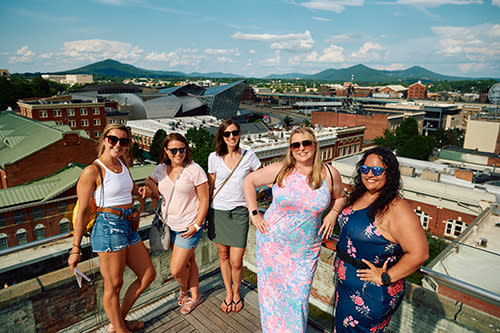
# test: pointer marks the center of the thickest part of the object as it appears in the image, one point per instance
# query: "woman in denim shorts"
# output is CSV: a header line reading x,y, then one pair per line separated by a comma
x,y
114,234
184,187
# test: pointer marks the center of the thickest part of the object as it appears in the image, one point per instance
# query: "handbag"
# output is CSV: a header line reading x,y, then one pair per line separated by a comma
x,y
209,219
159,234
93,210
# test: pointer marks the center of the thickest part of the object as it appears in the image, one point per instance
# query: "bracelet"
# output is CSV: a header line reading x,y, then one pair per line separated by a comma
x,y
78,246
336,211
70,253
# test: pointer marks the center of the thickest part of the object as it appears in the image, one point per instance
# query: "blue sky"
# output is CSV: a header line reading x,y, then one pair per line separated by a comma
x,y
253,38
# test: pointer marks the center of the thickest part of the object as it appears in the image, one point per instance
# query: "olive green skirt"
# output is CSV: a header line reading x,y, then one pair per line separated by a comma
x,y
229,227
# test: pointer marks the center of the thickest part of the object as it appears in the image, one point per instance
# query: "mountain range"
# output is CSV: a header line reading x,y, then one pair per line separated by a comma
x,y
359,73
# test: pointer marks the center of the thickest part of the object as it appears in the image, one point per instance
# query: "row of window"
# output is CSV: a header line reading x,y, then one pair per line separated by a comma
x,y
348,150
39,233
453,227
36,213
69,112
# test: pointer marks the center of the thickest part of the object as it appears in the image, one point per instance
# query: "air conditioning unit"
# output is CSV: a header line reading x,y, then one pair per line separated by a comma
x,y
482,242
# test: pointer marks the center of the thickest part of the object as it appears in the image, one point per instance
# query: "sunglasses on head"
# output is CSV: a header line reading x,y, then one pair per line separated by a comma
x,y
228,133
113,140
174,151
305,144
365,169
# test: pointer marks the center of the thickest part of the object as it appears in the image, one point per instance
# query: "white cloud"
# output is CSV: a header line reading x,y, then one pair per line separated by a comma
x,y
23,55
225,60
291,42
332,54
179,57
46,55
274,61
370,51
323,19
111,2
252,51
336,6
437,3
235,52
471,67
344,38
495,3
478,43
98,49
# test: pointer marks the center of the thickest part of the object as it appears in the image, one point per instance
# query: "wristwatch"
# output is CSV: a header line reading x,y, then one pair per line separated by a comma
x,y
255,212
196,226
386,279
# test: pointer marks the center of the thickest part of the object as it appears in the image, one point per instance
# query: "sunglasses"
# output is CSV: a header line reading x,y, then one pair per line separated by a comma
x,y
113,140
305,144
228,133
365,169
174,151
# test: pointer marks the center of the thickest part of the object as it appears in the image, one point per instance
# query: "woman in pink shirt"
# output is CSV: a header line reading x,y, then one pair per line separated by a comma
x,y
183,185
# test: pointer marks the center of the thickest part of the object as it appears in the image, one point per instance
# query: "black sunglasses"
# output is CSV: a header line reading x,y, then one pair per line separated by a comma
x,y
228,133
113,140
174,151
365,169
305,144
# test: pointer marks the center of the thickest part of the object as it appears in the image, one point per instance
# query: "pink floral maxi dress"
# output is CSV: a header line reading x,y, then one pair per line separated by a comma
x,y
363,306
287,255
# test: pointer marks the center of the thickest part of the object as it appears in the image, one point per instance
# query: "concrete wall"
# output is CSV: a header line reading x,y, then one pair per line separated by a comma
x,y
482,135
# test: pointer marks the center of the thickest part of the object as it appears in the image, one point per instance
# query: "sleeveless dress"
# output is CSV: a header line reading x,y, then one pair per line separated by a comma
x,y
363,306
287,255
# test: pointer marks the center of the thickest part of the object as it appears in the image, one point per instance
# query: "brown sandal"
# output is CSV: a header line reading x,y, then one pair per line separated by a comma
x,y
190,305
135,325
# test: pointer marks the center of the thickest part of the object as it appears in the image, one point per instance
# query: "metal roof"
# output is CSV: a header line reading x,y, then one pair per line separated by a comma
x,y
21,136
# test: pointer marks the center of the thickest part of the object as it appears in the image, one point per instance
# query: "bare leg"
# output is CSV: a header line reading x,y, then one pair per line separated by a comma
x,y
236,261
139,261
194,285
180,267
112,265
225,268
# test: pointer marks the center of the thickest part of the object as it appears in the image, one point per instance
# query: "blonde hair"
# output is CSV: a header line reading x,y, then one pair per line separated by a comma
x,y
316,178
107,129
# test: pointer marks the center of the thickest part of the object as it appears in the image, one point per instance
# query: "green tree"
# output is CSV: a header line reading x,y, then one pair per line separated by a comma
x,y
137,152
307,123
419,147
406,130
40,87
453,136
288,121
202,143
157,145
388,140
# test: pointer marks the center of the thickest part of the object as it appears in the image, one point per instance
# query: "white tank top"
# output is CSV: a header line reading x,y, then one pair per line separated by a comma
x,y
117,188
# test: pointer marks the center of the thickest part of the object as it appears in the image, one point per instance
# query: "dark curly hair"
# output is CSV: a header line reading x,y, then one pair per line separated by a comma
x,y
389,191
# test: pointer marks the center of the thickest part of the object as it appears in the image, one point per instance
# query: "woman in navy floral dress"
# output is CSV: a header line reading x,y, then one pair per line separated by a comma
x,y
381,242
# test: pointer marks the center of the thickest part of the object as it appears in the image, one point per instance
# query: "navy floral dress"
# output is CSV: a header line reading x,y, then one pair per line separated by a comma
x,y
363,306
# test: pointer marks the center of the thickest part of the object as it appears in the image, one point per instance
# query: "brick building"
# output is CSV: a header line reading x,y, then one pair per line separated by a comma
x,y
87,115
416,91
31,149
375,123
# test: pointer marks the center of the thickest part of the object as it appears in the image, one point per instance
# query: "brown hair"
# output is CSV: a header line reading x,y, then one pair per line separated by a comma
x,y
100,143
175,137
316,179
220,144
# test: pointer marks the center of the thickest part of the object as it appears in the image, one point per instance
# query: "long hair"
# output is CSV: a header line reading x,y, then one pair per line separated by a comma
x,y
100,143
220,144
316,178
391,188
175,137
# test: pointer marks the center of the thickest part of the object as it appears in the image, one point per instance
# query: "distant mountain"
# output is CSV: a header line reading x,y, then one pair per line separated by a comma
x,y
216,75
288,76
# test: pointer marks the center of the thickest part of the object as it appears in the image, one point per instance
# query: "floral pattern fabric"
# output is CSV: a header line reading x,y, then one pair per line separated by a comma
x,y
363,306
288,254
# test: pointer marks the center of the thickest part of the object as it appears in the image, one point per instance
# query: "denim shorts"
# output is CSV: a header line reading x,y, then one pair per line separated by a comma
x,y
112,233
185,243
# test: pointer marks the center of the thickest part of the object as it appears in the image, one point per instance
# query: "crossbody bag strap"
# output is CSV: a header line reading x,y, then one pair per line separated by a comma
x,y
172,193
330,172
102,184
225,181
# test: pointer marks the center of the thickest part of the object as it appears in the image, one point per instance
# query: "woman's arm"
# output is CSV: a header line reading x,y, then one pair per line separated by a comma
x,y
405,229
339,201
202,192
211,184
151,183
263,176
84,189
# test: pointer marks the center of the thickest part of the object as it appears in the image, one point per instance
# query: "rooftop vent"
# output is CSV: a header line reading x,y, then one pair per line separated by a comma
x,y
482,242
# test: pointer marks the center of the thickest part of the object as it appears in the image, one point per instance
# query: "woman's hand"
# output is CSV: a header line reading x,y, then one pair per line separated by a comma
x,y
326,229
74,257
259,223
373,273
191,231
145,191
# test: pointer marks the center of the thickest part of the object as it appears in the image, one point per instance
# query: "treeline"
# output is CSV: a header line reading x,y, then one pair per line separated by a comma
x,y
18,87
464,86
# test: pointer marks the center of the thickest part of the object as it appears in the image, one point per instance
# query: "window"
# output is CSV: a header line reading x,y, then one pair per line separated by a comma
x,y
122,121
97,122
37,213
85,122
61,206
95,111
39,231
4,241
64,226
112,121
21,236
454,228
59,123
57,113
71,112
424,218
72,123
2,220
43,113
97,134
83,112
18,216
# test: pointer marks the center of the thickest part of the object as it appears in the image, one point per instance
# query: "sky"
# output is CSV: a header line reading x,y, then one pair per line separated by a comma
x,y
253,38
